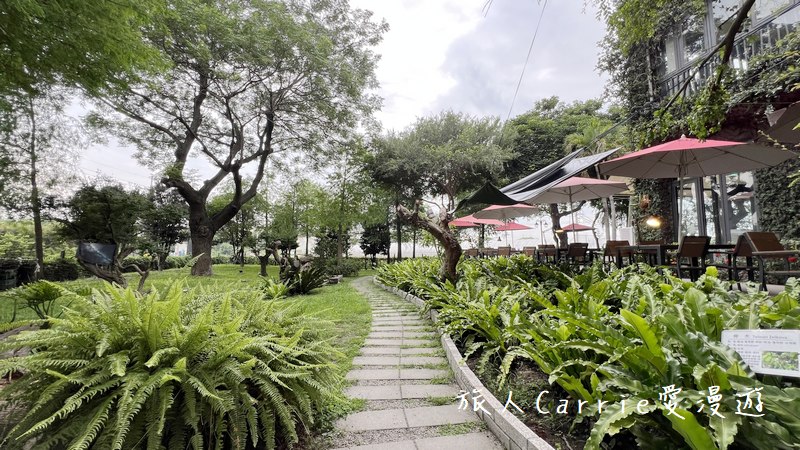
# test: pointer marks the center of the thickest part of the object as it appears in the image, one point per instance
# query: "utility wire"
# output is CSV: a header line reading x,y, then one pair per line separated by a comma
x,y
521,75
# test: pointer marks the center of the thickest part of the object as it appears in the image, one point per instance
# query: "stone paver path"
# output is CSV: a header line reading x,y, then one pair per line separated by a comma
x,y
410,394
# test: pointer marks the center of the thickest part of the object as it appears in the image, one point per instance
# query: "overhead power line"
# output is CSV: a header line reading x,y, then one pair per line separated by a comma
x,y
527,58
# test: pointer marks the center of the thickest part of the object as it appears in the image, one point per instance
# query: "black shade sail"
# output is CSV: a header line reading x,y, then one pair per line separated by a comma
x,y
529,187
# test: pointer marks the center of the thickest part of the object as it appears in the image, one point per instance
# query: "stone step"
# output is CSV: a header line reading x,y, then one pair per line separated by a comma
x,y
395,374
469,441
402,392
397,350
390,419
384,360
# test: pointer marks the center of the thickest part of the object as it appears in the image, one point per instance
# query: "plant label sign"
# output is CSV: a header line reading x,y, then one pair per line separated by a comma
x,y
771,352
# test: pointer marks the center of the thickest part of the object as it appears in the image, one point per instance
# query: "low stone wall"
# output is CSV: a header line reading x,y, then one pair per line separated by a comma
x,y
512,433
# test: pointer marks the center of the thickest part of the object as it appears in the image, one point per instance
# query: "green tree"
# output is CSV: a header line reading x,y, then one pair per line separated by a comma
x,y
107,215
375,240
92,44
39,144
546,132
164,224
255,77
443,156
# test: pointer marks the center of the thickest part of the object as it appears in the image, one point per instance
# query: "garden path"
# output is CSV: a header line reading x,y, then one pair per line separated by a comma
x,y
411,398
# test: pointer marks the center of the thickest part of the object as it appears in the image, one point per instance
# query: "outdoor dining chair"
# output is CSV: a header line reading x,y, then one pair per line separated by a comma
x,y
471,253
529,251
691,256
731,258
610,253
504,251
577,253
546,253
768,248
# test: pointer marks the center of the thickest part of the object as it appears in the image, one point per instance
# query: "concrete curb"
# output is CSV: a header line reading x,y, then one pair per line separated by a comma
x,y
509,430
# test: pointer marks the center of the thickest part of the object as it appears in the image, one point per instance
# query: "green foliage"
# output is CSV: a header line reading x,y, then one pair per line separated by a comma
x,y
306,280
46,42
619,336
169,370
777,202
348,267
62,270
274,290
375,240
328,242
14,245
41,297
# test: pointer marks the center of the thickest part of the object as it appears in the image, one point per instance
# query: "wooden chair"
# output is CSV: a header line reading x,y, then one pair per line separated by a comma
x,y
471,253
742,249
546,253
610,252
489,252
577,253
504,251
694,250
529,251
767,247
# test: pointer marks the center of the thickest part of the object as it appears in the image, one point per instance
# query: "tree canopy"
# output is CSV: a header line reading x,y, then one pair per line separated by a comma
x,y
92,44
255,78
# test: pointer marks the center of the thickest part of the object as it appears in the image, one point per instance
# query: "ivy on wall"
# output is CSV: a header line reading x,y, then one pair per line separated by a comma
x,y
779,204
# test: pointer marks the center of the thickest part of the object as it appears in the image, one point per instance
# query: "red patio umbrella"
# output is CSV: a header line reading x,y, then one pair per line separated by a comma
x,y
470,221
512,226
690,157
577,227
506,212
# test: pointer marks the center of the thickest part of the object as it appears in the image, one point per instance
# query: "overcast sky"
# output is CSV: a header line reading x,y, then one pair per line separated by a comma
x,y
453,54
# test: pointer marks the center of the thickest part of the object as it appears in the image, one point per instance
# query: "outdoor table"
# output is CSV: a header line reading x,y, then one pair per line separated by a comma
x,y
660,251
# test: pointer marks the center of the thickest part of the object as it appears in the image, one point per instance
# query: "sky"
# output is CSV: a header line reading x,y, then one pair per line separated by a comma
x,y
453,54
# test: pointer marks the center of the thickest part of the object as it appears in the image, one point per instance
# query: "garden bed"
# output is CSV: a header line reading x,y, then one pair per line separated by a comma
x,y
611,339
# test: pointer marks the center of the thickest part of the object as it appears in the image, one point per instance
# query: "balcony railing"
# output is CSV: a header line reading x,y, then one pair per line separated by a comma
x,y
746,46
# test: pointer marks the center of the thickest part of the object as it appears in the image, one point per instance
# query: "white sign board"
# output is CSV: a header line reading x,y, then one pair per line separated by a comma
x,y
771,352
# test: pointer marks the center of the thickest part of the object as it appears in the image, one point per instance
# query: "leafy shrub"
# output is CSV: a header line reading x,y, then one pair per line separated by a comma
x,y
41,297
169,370
62,270
347,266
143,262
274,290
177,262
620,336
306,280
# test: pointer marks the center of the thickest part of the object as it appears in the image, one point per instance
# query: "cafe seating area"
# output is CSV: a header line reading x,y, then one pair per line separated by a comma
x,y
757,257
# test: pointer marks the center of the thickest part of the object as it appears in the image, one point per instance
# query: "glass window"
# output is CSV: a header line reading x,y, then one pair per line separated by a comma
x,y
693,42
724,12
741,203
670,55
765,8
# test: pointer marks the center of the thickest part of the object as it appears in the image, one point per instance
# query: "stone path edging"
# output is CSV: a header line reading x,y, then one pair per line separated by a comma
x,y
509,430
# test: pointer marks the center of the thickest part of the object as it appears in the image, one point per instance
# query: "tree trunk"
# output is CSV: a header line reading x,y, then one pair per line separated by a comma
x,y
262,261
339,249
36,206
202,236
414,245
555,217
442,233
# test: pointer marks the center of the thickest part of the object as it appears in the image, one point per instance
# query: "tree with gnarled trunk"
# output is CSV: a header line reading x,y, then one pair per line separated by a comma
x,y
444,156
255,78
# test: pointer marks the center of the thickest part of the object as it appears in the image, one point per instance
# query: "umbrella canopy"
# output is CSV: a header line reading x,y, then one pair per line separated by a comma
x,y
471,221
506,212
512,226
577,227
578,189
784,125
689,157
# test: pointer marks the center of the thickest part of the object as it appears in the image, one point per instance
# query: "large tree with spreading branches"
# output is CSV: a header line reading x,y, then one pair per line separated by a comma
x,y
247,78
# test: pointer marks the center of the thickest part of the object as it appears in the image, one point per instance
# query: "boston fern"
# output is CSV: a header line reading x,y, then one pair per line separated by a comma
x,y
170,370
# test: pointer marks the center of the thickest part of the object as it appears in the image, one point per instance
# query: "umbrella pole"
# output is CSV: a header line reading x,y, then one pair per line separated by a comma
x,y
572,213
613,219
680,209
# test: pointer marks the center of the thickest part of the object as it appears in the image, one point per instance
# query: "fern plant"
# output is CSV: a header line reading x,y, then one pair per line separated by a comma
x,y
170,370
